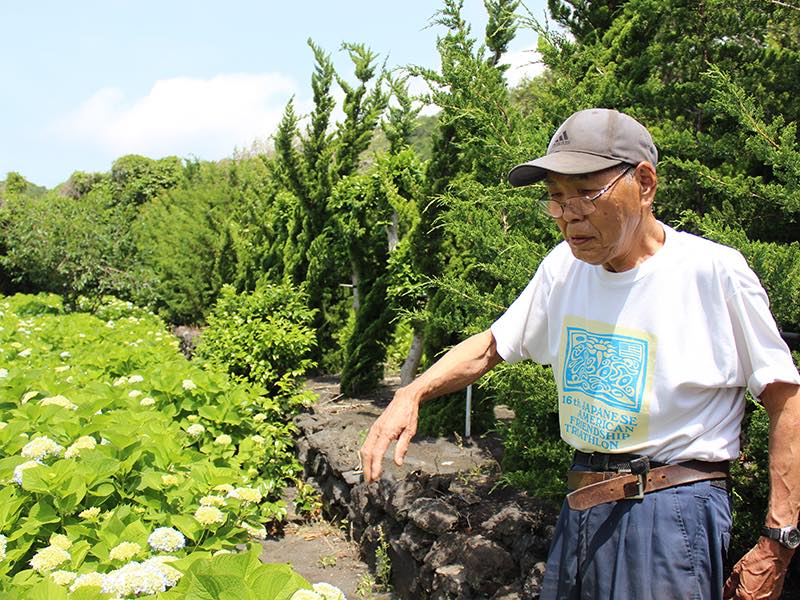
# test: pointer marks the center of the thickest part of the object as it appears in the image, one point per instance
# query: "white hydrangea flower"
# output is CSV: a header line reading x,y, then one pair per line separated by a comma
x,y
328,591
209,515
93,579
20,468
40,448
166,539
169,479
212,500
85,442
90,514
258,440
259,418
58,401
124,551
134,393
120,381
195,429
171,574
59,540
258,532
3,373
63,577
193,418
147,401
223,440
48,558
135,579
135,379
246,494
306,595
188,384
65,354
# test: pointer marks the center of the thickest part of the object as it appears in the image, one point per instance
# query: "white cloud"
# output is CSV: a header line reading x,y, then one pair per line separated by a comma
x,y
184,116
522,64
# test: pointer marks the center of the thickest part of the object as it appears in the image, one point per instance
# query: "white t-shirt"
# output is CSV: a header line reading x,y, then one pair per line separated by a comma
x,y
654,360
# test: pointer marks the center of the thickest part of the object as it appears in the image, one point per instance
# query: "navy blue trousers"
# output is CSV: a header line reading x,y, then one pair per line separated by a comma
x,y
671,544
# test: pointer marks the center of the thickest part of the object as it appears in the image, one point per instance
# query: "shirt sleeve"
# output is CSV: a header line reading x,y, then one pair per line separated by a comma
x,y
762,353
521,332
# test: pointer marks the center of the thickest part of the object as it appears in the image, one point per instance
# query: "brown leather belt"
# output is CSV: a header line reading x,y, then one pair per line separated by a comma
x,y
592,488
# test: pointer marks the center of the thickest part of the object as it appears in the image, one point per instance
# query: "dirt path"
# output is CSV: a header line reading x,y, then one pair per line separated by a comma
x,y
319,550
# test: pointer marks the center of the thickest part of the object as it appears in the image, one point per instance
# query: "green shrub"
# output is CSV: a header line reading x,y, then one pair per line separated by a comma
x,y
66,246
262,337
536,458
446,416
137,179
196,221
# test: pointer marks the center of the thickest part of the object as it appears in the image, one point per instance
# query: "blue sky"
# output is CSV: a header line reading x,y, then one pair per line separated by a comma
x,y
88,81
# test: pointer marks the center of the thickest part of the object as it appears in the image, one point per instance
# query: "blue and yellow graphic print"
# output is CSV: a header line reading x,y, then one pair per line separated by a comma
x,y
604,385
609,367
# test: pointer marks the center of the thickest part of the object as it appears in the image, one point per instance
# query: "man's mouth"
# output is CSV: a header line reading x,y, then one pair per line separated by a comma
x,y
579,240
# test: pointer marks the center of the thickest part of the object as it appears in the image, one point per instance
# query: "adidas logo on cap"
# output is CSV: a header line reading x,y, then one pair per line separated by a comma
x,y
561,139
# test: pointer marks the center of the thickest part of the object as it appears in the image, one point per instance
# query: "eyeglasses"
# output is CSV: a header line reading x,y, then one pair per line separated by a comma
x,y
581,205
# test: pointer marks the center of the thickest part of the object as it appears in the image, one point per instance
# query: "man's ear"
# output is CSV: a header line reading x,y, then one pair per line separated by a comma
x,y
646,178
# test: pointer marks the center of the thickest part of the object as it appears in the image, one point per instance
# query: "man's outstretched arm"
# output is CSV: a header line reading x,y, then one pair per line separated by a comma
x,y
759,574
462,365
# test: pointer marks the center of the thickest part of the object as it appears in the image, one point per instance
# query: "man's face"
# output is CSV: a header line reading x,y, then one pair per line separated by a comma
x,y
612,235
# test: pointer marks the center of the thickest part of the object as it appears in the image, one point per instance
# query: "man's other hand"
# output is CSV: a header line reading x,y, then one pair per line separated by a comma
x,y
759,574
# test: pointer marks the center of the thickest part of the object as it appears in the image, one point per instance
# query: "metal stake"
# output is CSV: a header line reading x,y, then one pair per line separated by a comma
x,y
467,423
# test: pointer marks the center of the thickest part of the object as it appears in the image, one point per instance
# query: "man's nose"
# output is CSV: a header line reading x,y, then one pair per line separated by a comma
x,y
571,213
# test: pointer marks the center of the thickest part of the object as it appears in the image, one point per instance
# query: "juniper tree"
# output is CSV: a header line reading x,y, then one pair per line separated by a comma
x,y
311,165
475,138
648,59
376,213
500,28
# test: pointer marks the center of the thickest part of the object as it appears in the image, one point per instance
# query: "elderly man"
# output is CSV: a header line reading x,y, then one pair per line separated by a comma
x,y
653,336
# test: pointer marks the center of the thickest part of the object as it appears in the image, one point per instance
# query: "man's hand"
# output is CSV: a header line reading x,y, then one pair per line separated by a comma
x,y
759,574
398,422
462,365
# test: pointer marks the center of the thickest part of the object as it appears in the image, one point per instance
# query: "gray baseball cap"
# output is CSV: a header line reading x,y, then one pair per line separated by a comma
x,y
588,141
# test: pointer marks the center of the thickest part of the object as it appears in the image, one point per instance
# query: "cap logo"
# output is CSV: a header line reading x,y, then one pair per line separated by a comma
x,y
562,139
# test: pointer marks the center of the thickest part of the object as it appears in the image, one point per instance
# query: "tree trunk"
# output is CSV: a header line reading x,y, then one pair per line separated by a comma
x,y
391,233
409,369
355,280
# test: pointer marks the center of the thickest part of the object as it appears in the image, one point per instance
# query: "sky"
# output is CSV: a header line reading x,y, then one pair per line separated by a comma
x,y
88,81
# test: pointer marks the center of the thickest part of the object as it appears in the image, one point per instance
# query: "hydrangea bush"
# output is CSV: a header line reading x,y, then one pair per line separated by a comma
x,y
106,495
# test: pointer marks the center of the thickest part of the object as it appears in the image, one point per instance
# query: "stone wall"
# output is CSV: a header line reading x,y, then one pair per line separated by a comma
x,y
447,532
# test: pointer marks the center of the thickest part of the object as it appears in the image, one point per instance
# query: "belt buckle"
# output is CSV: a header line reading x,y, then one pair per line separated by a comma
x,y
639,467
